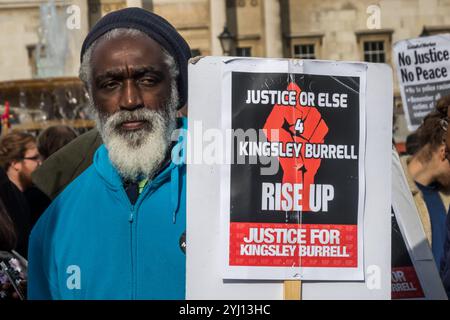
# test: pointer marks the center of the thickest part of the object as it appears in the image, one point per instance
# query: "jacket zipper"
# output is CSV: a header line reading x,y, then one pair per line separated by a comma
x,y
132,253
133,240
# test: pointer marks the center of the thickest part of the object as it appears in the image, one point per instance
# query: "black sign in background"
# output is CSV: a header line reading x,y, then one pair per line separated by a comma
x,y
417,89
400,255
343,124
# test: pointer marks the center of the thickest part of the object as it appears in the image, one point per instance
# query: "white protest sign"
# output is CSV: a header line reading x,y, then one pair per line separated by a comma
x,y
423,72
206,239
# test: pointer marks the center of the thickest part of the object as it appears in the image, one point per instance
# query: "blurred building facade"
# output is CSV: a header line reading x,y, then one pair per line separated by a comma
x,y
308,29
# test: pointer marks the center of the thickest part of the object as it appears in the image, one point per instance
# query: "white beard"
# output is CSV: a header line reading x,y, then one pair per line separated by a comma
x,y
139,154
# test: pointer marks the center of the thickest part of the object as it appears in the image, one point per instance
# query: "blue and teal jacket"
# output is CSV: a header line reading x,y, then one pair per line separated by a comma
x,y
92,243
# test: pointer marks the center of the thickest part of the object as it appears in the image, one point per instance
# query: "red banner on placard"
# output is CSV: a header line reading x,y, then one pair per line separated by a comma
x,y
406,284
294,245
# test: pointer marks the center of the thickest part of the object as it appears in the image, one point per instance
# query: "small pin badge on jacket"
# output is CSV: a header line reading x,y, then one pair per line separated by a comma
x,y
183,242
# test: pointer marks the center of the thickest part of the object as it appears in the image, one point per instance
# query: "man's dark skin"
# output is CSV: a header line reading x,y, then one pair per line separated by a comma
x,y
129,73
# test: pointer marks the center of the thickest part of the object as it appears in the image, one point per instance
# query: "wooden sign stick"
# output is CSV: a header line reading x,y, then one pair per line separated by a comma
x,y
292,290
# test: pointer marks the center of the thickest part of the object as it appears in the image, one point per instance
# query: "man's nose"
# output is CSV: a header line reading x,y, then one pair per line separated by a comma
x,y
131,97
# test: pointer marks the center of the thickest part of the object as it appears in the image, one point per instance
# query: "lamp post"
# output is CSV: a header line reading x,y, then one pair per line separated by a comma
x,y
226,41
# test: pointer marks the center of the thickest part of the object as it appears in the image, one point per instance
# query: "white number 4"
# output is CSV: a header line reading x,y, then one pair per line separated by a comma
x,y
299,126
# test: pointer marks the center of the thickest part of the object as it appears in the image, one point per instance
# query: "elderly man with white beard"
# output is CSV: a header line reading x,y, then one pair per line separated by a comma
x,y
118,230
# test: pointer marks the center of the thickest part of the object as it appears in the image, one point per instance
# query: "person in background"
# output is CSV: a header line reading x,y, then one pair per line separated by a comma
x,y
16,270
443,108
66,164
8,240
445,261
412,144
19,157
54,138
49,141
428,175
8,236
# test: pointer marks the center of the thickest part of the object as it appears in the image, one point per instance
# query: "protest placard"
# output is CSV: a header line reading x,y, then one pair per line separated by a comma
x,y
298,149
209,182
423,72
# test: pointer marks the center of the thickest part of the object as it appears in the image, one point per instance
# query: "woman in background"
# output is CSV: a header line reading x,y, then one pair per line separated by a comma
x,y
8,260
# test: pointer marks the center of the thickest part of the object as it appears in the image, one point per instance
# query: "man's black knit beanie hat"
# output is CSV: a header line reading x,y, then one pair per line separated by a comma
x,y
156,28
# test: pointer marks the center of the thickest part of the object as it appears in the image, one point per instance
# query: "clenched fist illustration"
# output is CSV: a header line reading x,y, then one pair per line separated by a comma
x,y
299,124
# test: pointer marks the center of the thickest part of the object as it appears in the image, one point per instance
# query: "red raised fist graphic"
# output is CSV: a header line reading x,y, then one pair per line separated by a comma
x,y
300,124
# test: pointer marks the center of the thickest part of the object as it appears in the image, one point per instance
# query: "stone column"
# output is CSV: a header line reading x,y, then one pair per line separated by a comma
x,y
218,19
134,3
272,29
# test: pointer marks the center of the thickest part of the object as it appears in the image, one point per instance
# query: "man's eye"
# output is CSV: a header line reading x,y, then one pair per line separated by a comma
x,y
148,81
110,85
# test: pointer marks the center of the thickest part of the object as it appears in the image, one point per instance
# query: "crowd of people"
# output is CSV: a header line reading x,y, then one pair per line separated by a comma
x,y
21,201
89,191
